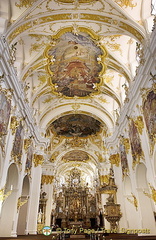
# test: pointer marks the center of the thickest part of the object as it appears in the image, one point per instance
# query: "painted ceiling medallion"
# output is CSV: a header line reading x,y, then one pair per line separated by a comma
x,y
76,64
75,125
75,155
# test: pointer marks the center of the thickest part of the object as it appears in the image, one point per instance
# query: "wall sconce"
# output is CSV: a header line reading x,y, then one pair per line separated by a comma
x,y
134,201
21,201
152,195
3,195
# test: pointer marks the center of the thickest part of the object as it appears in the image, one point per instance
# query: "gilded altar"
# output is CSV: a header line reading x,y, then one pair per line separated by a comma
x,y
75,205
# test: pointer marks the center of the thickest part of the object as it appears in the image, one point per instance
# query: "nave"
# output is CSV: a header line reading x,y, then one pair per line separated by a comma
x,y
78,118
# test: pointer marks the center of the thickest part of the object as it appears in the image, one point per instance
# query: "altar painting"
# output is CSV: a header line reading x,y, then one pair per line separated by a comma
x,y
5,109
135,143
74,66
149,112
123,157
18,144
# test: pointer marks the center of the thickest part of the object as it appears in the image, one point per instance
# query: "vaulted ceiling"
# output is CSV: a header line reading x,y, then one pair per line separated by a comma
x,y
76,60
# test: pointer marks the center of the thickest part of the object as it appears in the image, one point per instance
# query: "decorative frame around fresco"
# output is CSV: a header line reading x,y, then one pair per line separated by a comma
x,y
5,112
29,159
16,153
123,158
135,143
150,114
69,90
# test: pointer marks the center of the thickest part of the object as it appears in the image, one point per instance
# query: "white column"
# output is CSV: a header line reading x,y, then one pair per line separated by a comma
x,y
103,201
19,193
49,191
34,201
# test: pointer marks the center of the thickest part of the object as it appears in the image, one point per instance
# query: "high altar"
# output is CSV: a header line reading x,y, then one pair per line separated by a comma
x,y
75,205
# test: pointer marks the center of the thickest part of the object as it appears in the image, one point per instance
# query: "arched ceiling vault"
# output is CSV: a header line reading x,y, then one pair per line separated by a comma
x,y
76,58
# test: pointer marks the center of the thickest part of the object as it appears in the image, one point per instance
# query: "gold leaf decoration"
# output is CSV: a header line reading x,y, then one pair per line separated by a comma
x,y
36,47
54,155
108,79
104,179
27,143
134,201
25,3
47,179
14,124
103,100
114,47
115,159
42,79
100,157
48,99
75,106
38,159
153,194
126,143
126,3
139,124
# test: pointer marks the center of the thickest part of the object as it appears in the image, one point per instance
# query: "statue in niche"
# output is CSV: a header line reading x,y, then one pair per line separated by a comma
x,y
39,217
75,177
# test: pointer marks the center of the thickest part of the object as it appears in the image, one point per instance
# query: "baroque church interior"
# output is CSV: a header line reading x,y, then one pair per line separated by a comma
x,y
77,117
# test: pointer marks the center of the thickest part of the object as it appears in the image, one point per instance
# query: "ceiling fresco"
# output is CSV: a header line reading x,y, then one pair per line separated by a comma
x,y
75,64
75,155
75,125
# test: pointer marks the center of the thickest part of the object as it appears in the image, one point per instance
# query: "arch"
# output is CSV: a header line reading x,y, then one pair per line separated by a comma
x,y
10,203
22,217
127,186
146,204
141,176
131,211
103,115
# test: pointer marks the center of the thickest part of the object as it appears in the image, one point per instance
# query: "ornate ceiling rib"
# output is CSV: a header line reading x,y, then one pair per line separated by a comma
x,y
129,27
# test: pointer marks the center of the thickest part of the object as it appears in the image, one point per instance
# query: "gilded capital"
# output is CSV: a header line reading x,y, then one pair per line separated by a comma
x,y
47,179
153,193
115,159
38,159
